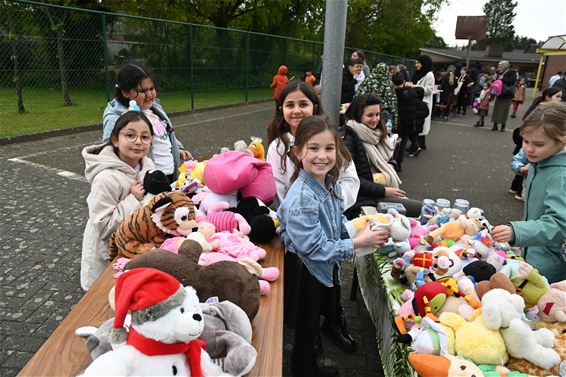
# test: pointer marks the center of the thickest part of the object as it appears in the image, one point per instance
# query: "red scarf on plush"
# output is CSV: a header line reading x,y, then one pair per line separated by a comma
x,y
152,347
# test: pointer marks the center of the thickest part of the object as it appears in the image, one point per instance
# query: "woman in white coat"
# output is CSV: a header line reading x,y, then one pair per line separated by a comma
x,y
424,77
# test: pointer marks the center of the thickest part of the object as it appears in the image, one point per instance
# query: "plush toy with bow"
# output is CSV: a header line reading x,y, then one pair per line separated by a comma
x,y
227,333
163,337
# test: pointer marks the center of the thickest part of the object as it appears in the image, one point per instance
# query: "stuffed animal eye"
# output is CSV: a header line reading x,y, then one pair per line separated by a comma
x,y
182,310
197,317
184,218
174,368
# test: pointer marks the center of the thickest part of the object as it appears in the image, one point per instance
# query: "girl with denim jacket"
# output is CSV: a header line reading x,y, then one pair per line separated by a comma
x,y
316,237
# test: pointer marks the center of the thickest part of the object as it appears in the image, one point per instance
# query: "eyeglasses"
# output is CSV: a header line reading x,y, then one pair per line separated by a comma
x,y
146,91
132,137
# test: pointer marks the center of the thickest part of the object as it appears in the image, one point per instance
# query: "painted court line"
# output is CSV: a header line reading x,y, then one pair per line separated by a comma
x,y
223,117
62,173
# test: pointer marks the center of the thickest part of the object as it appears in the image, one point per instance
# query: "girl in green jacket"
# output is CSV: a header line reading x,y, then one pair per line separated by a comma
x,y
543,230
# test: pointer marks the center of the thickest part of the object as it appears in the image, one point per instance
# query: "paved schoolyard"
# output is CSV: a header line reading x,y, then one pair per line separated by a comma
x,y
43,214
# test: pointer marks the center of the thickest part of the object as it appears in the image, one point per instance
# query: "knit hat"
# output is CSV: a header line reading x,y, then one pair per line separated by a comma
x,y
146,292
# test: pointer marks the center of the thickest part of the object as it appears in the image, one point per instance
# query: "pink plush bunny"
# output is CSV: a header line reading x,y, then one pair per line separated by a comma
x,y
418,231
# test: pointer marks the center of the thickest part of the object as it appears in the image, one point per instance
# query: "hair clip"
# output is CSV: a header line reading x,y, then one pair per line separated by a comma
x,y
134,106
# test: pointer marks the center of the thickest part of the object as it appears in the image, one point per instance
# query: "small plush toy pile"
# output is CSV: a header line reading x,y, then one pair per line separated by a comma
x,y
170,332
473,306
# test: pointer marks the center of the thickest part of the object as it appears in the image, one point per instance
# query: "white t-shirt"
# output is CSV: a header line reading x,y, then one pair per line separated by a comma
x,y
161,145
348,178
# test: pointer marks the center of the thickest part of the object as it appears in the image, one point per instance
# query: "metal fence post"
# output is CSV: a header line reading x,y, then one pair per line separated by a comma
x,y
105,48
191,69
334,36
247,67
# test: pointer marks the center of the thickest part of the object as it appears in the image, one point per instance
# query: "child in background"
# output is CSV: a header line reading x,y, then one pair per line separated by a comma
x,y
309,77
115,171
316,238
519,96
483,107
543,228
136,83
520,166
279,81
407,102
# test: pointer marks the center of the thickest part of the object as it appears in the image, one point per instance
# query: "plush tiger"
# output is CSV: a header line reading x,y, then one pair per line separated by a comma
x,y
168,214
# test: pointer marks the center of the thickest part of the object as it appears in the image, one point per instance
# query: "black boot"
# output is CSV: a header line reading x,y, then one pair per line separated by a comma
x,y
494,128
340,336
478,124
502,127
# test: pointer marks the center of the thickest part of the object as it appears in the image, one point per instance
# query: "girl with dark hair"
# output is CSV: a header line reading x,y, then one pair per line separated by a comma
x,y
424,77
316,238
135,83
365,136
115,171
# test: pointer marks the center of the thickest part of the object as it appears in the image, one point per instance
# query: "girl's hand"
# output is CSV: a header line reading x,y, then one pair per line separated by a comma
x,y
137,190
185,155
394,192
524,169
502,233
371,238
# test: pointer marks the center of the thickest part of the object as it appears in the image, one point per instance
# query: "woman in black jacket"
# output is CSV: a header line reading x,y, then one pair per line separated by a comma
x,y
364,124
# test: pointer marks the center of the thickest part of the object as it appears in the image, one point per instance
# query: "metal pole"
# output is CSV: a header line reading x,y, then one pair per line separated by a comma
x,y
106,59
468,53
334,36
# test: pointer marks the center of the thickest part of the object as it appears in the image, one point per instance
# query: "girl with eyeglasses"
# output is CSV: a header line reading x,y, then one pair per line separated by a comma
x,y
115,171
135,82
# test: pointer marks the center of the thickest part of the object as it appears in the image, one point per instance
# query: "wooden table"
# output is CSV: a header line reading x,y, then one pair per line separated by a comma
x,y
65,354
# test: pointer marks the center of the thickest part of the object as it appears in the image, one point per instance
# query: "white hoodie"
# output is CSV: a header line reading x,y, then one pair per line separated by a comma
x,y
109,202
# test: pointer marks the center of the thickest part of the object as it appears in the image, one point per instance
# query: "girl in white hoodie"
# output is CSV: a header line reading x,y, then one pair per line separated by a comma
x,y
115,171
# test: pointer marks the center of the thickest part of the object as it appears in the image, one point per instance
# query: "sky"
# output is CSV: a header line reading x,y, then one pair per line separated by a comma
x,y
536,19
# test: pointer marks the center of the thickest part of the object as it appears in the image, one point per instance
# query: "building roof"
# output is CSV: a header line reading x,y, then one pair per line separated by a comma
x,y
515,56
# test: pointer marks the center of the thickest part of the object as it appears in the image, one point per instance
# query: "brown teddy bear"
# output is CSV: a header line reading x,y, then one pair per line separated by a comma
x,y
225,280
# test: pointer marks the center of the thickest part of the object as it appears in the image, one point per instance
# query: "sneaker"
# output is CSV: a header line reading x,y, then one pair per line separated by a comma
x,y
519,198
511,191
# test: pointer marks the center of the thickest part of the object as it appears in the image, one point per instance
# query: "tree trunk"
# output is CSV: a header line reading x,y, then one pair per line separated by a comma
x,y
58,29
15,61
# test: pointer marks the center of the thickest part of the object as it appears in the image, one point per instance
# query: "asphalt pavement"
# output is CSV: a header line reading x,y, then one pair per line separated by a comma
x,y
43,213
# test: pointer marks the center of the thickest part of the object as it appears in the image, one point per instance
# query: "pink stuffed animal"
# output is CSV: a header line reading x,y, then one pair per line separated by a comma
x,y
418,231
226,220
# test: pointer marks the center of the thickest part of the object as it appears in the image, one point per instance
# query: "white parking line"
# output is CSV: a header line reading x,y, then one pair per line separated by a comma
x,y
62,173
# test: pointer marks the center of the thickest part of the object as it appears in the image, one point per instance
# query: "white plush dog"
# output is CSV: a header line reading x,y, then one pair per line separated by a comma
x,y
162,340
503,311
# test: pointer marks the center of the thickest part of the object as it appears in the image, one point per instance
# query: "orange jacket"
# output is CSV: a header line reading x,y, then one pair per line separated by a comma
x,y
279,81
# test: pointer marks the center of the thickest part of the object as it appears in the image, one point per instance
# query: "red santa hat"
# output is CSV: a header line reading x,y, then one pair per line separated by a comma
x,y
146,292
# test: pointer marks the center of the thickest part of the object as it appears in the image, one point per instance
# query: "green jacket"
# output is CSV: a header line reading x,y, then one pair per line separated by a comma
x,y
543,229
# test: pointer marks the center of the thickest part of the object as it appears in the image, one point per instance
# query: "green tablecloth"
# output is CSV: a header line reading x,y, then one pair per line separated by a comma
x,y
382,296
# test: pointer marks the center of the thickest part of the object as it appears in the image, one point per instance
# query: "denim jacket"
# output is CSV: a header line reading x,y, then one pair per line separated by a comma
x,y
519,160
312,226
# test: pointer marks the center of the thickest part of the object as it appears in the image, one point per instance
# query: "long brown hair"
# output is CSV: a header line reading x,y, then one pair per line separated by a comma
x,y
314,125
278,128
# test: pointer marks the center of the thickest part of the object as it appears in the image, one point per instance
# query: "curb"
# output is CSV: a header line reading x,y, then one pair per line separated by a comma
x,y
93,127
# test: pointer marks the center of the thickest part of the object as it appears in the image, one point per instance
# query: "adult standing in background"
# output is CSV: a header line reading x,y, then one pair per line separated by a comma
x,y
424,78
503,101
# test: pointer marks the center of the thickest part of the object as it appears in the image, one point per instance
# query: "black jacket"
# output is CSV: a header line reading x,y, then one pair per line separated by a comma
x,y
509,79
348,86
369,190
422,111
407,102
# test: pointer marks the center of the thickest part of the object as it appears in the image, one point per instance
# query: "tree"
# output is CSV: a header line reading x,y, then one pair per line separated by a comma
x,y
500,29
523,43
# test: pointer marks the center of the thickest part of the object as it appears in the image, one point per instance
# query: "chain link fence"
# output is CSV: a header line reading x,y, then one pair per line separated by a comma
x,y
58,64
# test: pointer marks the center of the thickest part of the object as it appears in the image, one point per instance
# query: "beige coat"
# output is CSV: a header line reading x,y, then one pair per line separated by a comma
x,y
109,202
